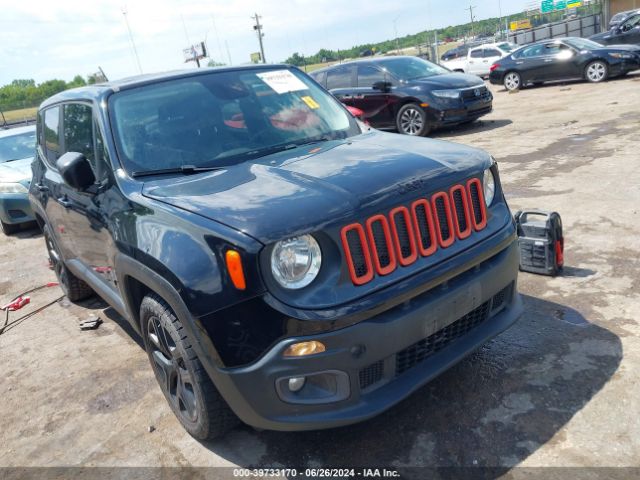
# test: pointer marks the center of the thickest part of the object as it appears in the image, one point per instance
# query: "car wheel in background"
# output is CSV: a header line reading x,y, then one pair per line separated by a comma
x,y
596,71
512,81
183,380
8,228
74,288
412,120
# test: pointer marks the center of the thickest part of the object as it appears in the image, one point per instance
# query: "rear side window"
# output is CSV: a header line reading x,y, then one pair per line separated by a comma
x,y
368,75
476,53
490,52
339,77
78,129
532,51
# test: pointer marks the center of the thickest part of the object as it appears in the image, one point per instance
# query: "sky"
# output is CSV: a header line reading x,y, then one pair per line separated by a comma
x,y
44,39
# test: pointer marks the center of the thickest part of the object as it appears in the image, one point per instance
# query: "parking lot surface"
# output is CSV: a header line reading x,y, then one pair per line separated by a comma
x,y
560,388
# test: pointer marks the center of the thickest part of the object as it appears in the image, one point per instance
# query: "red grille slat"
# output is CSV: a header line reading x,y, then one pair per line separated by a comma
x,y
368,275
428,217
461,232
391,266
397,239
479,212
404,260
440,228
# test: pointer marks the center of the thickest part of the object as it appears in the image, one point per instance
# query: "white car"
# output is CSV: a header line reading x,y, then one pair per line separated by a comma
x,y
479,59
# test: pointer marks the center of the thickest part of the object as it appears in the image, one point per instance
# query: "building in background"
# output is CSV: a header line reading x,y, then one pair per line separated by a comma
x,y
611,7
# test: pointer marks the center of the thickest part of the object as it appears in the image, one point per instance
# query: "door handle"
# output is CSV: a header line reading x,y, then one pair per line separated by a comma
x,y
346,97
548,60
65,202
41,187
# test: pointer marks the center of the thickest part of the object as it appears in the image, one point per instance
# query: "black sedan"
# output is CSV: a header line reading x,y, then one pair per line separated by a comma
x,y
564,59
627,32
407,93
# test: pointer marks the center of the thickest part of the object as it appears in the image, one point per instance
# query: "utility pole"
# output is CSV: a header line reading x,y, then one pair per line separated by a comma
x,y
500,20
472,18
258,28
135,51
395,28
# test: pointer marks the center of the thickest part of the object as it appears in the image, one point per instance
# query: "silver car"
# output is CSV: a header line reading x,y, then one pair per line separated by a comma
x,y
17,149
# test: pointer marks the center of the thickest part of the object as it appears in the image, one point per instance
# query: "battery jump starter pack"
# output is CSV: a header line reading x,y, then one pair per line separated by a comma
x,y
541,241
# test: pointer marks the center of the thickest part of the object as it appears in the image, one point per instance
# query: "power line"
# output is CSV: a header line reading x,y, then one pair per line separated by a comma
x,y
133,44
258,28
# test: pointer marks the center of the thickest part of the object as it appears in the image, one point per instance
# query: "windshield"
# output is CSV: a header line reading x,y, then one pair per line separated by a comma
x,y
411,68
507,47
223,118
582,43
16,147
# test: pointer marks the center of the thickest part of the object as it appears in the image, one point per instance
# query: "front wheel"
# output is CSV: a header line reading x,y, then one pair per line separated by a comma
x,y
412,120
512,81
185,384
596,72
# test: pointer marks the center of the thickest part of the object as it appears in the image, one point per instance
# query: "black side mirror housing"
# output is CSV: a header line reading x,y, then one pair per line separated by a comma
x,y
76,170
382,86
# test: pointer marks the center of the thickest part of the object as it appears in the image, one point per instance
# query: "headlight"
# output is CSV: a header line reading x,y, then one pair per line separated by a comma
x,y
295,262
453,94
489,183
13,188
621,55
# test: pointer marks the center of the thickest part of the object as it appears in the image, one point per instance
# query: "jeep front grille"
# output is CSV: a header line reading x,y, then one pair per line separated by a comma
x,y
399,238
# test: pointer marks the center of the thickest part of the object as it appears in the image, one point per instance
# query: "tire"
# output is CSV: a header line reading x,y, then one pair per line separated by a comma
x,y
512,81
596,71
191,394
412,120
8,228
74,288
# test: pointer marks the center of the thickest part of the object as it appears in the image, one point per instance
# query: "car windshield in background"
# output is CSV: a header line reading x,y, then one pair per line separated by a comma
x,y
412,68
16,147
507,47
223,118
582,43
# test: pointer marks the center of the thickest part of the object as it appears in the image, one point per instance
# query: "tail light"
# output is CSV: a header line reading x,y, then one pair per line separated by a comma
x,y
493,67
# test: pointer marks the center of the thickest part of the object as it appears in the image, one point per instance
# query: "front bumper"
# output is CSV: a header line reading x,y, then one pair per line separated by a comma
x,y
15,208
383,359
440,117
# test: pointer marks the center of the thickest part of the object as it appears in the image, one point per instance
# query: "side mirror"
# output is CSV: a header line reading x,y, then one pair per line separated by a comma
x,y
76,170
382,86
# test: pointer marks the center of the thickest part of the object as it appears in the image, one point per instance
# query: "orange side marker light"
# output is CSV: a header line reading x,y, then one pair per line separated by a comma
x,y
234,266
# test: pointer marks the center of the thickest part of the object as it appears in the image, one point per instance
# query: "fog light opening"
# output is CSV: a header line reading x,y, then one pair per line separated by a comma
x,y
304,348
296,383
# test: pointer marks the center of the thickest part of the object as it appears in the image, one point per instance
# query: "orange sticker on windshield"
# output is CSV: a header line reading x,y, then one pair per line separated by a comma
x,y
311,103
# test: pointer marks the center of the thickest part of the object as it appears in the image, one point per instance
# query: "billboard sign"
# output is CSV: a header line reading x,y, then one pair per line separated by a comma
x,y
195,52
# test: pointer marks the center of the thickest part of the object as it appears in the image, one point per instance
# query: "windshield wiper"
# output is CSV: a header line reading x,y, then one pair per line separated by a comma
x,y
186,169
263,152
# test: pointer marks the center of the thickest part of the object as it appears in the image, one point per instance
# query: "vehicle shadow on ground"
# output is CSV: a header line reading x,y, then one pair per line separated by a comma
x,y
494,409
28,230
473,127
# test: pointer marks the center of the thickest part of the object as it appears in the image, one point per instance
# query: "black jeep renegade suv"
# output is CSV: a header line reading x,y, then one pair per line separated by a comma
x,y
284,264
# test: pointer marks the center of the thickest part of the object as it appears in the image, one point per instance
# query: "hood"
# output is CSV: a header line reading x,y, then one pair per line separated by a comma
x,y
624,48
297,192
450,80
16,170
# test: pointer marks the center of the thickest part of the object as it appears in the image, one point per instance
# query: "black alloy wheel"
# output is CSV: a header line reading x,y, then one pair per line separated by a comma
x,y
74,288
186,385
